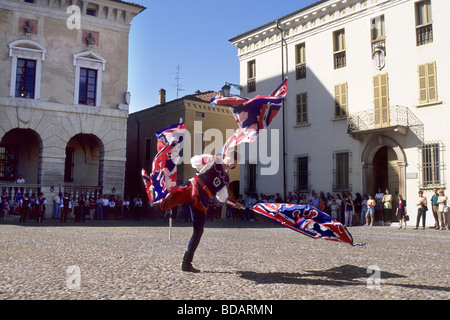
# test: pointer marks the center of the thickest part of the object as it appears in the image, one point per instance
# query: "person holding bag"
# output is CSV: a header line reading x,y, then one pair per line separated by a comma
x,y
401,211
421,210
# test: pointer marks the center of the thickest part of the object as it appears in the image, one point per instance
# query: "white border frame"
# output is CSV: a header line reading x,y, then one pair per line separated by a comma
x,y
18,51
84,60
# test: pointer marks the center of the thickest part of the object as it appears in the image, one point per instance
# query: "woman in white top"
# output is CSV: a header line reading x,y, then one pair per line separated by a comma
x,y
443,210
421,210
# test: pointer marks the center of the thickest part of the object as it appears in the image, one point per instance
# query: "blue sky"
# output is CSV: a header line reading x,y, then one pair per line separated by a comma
x,y
192,34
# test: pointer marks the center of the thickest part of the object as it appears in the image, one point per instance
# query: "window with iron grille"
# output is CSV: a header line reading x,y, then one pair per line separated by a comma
x,y
424,23
8,163
432,165
341,171
251,76
300,61
340,58
302,173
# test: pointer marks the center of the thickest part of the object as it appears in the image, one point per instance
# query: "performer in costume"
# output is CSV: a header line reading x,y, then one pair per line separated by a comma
x,y
66,207
25,207
211,180
252,116
40,212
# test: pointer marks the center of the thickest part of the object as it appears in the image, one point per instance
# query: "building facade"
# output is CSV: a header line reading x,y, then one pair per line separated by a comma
x,y
63,95
207,129
367,100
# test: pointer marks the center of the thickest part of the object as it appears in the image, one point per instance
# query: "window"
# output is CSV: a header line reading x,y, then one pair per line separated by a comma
x,y
427,83
199,114
424,23
377,33
251,76
89,67
25,78
302,173
88,86
341,174
300,61
26,65
91,12
381,100
340,60
432,165
302,108
8,163
377,29
340,100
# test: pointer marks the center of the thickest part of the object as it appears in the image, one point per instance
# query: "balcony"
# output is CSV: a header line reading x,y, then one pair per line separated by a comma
x,y
300,71
396,119
251,85
340,59
424,34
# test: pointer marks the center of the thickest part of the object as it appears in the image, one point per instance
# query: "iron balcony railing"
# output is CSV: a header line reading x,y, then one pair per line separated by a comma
x,y
399,116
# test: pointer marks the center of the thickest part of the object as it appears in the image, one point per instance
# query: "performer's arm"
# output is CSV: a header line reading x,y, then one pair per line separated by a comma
x,y
202,162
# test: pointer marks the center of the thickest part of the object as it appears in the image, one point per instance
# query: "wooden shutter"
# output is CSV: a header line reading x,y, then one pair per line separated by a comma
x,y
431,77
427,83
381,100
340,98
423,95
302,108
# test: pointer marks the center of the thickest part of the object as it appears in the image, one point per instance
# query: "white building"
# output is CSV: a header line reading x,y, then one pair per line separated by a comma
x,y
368,92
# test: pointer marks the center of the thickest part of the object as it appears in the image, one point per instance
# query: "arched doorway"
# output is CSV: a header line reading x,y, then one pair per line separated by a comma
x,y
383,165
84,154
20,154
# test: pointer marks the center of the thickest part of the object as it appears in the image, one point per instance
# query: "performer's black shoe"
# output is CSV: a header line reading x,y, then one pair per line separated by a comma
x,y
187,263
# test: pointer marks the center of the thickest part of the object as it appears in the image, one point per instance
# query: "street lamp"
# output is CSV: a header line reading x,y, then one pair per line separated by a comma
x,y
227,88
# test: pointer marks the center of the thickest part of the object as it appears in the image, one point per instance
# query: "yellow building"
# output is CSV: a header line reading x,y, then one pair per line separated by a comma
x,y
207,129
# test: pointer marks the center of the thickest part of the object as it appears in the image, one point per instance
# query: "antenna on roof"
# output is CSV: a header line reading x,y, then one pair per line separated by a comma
x,y
177,78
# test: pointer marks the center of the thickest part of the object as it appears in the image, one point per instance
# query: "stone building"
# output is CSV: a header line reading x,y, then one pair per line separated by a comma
x,y
207,129
367,99
64,95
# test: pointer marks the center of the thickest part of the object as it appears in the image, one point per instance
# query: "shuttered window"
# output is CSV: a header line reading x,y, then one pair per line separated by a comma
x,y
381,100
340,99
302,108
427,83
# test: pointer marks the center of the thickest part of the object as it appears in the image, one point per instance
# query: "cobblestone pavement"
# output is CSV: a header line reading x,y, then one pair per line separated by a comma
x,y
239,260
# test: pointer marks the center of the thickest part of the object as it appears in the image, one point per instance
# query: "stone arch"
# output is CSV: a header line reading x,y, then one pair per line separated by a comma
x,y
25,148
84,158
367,162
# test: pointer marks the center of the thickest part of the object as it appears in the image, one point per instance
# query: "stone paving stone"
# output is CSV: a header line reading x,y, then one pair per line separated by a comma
x,y
240,260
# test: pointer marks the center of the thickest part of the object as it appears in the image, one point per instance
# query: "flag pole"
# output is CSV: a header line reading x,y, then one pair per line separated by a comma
x,y
170,224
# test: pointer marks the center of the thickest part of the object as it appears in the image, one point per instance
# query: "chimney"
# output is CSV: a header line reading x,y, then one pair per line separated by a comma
x,y
162,96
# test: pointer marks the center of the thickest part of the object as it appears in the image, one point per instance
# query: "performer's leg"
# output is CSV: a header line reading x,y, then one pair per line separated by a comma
x,y
198,219
182,195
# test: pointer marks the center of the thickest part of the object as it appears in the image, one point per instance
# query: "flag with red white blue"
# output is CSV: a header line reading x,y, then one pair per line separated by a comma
x,y
307,220
252,115
163,178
